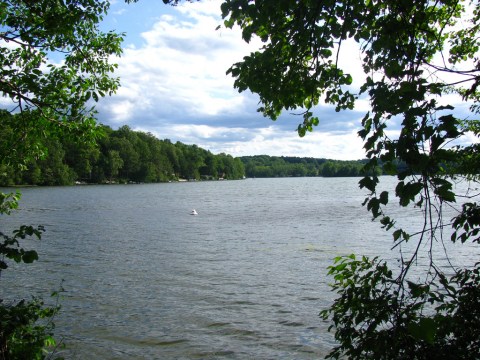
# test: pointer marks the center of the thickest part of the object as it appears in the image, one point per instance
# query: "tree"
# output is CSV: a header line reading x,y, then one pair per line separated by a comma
x,y
114,164
54,62
329,169
55,171
129,156
413,54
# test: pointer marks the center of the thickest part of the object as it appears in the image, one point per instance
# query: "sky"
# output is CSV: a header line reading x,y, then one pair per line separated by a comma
x,y
174,85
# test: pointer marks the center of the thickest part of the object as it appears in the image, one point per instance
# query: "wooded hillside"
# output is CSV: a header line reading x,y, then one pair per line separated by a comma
x,y
124,155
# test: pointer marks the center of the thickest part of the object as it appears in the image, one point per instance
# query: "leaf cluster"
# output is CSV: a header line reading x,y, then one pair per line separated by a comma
x,y
26,330
26,327
376,316
54,58
297,66
10,248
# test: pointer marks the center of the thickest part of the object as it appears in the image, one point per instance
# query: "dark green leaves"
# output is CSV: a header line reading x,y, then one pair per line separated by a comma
x,y
400,235
25,231
425,329
42,30
296,67
10,247
365,315
406,192
418,290
443,189
467,223
369,182
29,256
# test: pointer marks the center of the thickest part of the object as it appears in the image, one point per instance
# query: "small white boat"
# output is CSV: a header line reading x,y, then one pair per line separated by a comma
x,y
193,212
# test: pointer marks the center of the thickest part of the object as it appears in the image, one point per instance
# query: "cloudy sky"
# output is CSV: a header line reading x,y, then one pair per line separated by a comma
x,y
173,84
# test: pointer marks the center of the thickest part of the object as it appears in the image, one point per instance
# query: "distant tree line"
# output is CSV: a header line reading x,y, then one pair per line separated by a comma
x,y
273,166
121,155
124,156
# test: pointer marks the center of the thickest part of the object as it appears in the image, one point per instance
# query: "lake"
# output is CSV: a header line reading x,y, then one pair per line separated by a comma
x,y
245,278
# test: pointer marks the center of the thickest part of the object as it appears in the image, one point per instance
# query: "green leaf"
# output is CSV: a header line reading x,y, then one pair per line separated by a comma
x,y
425,329
368,182
384,198
397,234
29,256
417,290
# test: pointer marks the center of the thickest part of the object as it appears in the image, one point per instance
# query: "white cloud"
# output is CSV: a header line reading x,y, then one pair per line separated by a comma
x,y
174,85
347,146
181,62
267,140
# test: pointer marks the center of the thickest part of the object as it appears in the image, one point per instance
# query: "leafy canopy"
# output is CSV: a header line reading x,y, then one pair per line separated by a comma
x,y
54,60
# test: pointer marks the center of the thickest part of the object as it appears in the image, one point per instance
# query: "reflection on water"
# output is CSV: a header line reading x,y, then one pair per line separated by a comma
x,y
245,278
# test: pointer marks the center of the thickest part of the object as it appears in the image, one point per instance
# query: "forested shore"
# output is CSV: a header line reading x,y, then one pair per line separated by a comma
x,y
117,156
288,166
128,156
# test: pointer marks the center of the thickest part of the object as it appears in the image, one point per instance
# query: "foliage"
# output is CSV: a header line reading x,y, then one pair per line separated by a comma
x,y
55,63
27,330
286,166
420,59
122,156
26,327
373,308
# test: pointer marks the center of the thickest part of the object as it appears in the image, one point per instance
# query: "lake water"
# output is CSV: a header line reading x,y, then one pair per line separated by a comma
x,y
245,278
